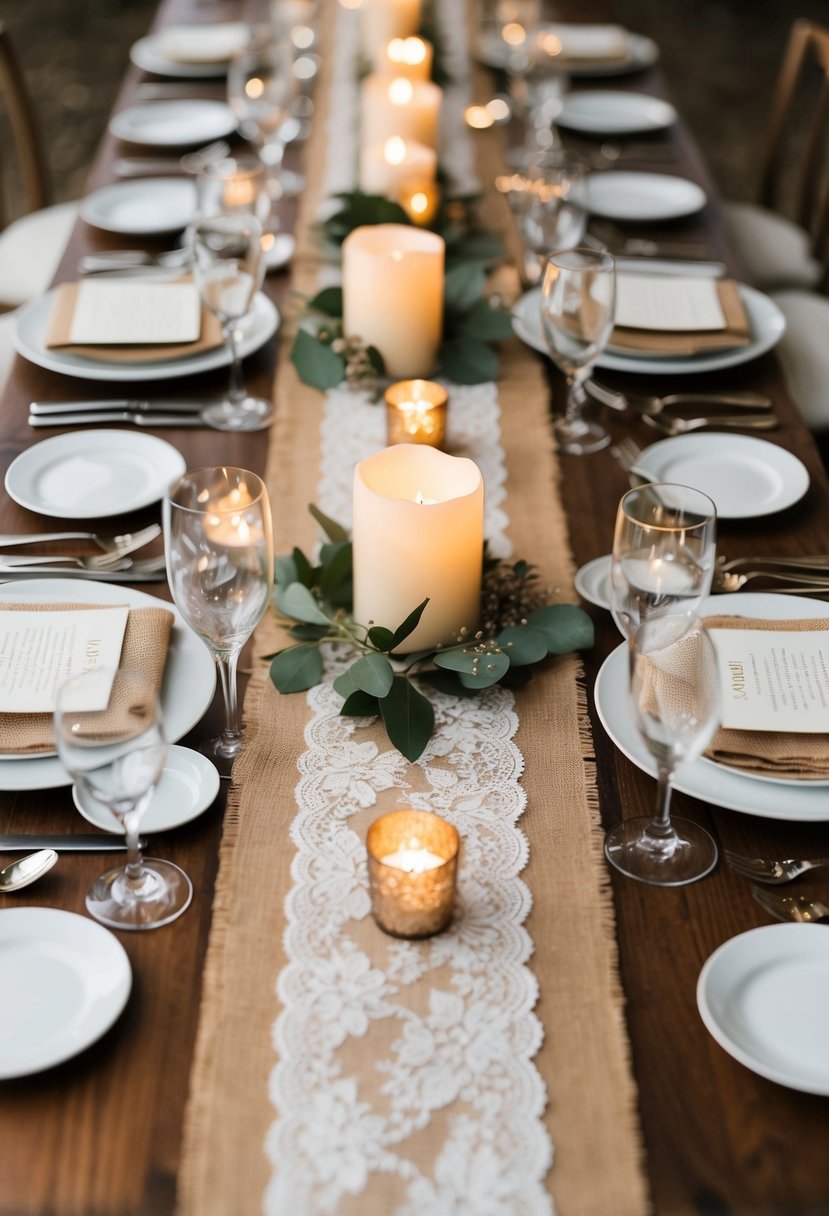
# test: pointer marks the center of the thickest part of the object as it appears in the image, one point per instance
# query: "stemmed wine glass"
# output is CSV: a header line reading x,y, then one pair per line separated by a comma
x,y
664,550
262,91
578,301
228,268
116,754
219,541
549,212
675,700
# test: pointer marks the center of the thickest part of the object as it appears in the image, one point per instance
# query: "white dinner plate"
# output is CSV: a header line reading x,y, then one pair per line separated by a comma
x,y
33,322
92,474
617,194
146,54
766,323
67,980
805,802
763,996
146,207
186,690
612,112
642,53
173,124
207,50
593,581
188,786
745,476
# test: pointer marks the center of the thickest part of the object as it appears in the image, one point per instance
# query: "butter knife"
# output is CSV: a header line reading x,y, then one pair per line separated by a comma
x,y
139,417
166,404
82,843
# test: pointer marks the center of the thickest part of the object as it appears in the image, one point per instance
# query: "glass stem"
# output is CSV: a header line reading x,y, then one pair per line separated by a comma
x,y
236,389
134,858
660,826
231,735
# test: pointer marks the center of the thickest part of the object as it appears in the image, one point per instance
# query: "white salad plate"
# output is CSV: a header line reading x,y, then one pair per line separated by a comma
x,y
173,124
642,53
593,581
804,802
763,996
616,194
146,207
745,476
187,787
196,52
612,112
766,323
93,474
186,690
68,980
256,329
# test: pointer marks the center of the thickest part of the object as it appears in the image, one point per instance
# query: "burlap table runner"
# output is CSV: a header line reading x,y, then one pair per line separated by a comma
x,y
584,1057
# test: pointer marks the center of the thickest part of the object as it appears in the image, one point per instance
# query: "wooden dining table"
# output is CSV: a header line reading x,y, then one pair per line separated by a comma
x,y
101,1134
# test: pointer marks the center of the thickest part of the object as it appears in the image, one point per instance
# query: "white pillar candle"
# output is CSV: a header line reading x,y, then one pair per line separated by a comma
x,y
418,532
399,106
411,57
393,294
382,20
387,168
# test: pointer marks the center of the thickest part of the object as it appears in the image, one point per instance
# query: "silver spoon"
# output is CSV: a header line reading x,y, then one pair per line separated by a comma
x,y
26,869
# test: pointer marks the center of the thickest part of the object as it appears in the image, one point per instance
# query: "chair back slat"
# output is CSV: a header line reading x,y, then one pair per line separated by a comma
x,y
30,159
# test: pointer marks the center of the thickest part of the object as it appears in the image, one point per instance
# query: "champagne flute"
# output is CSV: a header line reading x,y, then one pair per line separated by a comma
x,y
675,700
549,213
262,91
578,301
664,549
219,542
228,267
115,751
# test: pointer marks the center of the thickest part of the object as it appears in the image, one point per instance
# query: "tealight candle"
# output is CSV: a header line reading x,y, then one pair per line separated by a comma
x,y
226,523
412,866
416,413
399,106
236,183
382,20
420,200
418,533
386,168
393,294
410,57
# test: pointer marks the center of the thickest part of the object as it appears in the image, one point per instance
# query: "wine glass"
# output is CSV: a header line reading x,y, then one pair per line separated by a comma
x,y
228,268
262,91
549,212
219,542
664,549
578,301
115,751
675,700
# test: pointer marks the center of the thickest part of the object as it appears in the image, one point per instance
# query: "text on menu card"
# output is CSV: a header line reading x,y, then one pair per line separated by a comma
x,y
774,679
39,650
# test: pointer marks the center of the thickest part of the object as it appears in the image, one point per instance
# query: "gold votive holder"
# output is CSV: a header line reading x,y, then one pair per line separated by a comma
x,y
416,413
412,863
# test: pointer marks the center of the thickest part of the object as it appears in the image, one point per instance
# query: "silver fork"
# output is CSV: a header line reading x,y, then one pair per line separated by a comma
x,y
733,580
792,907
102,561
772,872
190,162
652,405
682,426
128,542
626,453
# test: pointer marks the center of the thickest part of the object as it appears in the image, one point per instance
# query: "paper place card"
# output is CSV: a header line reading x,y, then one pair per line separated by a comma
x,y
40,650
773,680
120,313
668,303
590,41
203,43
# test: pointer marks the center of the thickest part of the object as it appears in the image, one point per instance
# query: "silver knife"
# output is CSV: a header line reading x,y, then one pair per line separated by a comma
x,y
8,573
165,404
82,843
145,418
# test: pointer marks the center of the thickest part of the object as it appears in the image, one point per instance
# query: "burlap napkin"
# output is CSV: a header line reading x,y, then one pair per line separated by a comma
x,y
146,642
60,328
737,331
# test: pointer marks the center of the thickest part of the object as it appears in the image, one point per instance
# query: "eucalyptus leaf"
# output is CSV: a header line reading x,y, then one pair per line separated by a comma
x,y
296,601
408,717
565,626
286,571
477,670
328,301
309,633
342,596
297,669
304,571
448,682
315,362
380,637
360,705
486,323
334,531
463,286
480,247
409,625
335,568
372,674
468,361
523,644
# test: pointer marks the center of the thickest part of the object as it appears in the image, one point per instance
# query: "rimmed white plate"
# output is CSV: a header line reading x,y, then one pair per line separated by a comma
x,y
617,194
745,476
146,54
188,786
593,581
145,207
612,112
713,783
186,690
209,49
92,474
766,322
68,980
642,52
173,124
256,329
763,996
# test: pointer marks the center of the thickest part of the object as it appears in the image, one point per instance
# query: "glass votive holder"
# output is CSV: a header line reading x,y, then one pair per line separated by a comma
x,y
416,413
412,864
236,183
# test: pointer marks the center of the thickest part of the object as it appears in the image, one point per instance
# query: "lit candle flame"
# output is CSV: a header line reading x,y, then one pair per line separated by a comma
x,y
407,50
394,151
401,91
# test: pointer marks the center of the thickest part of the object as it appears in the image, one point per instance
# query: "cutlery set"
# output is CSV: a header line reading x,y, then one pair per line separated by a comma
x,y
774,873
163,412
655,411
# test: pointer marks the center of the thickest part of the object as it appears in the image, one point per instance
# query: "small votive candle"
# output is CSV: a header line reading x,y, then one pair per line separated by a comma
x,y
410,57
412,866
416,412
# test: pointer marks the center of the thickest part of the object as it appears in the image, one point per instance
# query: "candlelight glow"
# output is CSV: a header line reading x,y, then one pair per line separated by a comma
x,y
254,88
551,45
478,117
407,50
498,108
419,203
401,91
514,34
395,150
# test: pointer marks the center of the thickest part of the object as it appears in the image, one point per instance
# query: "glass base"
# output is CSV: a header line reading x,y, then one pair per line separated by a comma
x,y
250,414
161,894
579,438
222,750
687,854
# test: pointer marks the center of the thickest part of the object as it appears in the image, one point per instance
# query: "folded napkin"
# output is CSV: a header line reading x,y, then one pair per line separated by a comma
x,y
203,43
590,43
736,330
59,331
146,642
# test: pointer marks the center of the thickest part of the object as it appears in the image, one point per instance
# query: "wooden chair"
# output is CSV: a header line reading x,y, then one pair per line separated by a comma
x,y
31,246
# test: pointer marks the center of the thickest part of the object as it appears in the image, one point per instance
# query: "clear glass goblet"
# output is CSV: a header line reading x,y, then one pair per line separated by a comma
x,y
578,302
262,90
664,552
549,212
116,754
675,700
218,537
229,269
